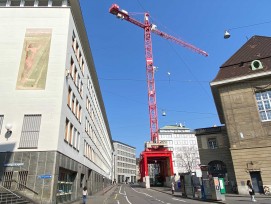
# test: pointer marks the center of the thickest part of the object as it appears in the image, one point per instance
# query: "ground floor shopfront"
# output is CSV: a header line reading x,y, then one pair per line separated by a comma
x,y
48,177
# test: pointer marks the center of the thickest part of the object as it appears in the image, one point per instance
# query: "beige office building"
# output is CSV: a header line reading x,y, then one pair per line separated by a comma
x,y
242,95
54,134
125,162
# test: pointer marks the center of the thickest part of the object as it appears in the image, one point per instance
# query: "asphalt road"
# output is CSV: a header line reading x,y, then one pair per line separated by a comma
x,y
126,194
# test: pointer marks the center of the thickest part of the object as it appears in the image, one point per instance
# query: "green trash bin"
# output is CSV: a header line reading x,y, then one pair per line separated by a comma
x,y
222,186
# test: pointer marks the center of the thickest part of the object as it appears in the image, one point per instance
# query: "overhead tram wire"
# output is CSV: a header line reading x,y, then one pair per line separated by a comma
x,y
139,80
227,33
170,110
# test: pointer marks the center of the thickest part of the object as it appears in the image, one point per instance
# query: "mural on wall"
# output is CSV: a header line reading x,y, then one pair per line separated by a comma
x,y
34,60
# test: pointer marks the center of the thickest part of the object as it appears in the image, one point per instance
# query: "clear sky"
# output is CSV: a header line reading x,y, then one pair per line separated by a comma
x,y
118,51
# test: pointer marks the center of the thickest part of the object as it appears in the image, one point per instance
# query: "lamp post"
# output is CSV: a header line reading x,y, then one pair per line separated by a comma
x,y
113,168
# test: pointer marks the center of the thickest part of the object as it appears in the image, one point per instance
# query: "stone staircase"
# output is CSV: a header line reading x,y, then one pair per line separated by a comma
x,y
8,197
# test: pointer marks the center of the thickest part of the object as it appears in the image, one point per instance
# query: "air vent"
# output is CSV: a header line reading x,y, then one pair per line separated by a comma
x,y
256,64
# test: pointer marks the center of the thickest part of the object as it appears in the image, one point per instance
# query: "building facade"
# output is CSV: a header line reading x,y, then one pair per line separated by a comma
x,y
55,137
125,163
214,151
183,143
242,95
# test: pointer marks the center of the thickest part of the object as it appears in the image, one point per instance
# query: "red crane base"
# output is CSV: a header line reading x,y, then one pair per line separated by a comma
x,y
161,156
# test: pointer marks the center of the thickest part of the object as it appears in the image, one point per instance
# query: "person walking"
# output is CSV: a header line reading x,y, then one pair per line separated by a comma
x,y
172,188
251,191
85,193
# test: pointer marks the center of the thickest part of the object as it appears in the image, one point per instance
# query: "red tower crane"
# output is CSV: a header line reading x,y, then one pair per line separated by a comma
x,y
150,69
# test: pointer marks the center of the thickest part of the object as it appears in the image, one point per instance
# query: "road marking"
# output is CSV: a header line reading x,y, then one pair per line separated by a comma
x,y
118,201
142,193
116,196
124,195
128,200
121,192
179,200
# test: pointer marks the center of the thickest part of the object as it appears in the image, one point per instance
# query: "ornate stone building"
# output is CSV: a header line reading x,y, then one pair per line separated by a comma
x,y
214,151
242,94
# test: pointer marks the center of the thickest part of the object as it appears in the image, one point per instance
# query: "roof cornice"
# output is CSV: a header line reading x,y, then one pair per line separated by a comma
x,y
243,78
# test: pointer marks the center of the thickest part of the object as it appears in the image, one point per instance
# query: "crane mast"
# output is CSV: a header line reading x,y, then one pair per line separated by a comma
x,y
150,69
150,81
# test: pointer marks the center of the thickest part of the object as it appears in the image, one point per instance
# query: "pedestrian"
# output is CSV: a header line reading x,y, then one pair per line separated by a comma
x,y
85,193
172,188
251,191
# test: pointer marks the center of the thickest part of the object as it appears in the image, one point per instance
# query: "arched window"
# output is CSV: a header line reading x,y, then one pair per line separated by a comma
x,y
217,168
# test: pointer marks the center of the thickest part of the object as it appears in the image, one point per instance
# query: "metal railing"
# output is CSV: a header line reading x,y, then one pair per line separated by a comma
x,y
16,191
25,187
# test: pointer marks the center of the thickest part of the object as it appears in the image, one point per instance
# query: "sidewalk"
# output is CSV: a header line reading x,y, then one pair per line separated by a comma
x,y
167,190
177,193
99,197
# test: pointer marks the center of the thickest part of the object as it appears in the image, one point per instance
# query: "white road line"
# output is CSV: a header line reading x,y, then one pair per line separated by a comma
x,y
142,193
121,192
179,200
118,201
128,200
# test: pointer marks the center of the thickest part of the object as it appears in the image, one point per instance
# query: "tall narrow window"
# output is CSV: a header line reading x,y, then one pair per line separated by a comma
x,y
1,122
67,130
75,135
30,131
71,134
78,141
212,144
264,105
73,41
69,97
83,67
72,68
73,103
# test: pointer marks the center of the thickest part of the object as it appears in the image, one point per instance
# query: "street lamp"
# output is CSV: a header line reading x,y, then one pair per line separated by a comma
x,y
227,34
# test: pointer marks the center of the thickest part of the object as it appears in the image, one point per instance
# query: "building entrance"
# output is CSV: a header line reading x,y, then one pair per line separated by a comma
x,y
256,181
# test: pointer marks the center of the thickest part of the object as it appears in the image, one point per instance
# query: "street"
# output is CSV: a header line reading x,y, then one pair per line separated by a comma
x,y
134,194
125,194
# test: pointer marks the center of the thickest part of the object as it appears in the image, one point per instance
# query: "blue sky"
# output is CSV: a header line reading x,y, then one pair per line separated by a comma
x,y
118,51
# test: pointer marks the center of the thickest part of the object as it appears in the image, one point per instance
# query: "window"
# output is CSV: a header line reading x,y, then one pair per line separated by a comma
x,y
72,66
264,105
30,131
3,2
28,2
67,130
43,3
15,3
69,96
1,122
212,144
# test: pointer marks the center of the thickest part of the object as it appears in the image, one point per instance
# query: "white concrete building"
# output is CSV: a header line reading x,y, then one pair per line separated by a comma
x,y
54,134
183,142
125,162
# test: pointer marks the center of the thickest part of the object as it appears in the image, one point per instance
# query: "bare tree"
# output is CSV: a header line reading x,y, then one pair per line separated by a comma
x,y
188,158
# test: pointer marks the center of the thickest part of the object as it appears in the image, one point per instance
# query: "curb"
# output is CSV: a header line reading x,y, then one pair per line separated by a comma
x,y
209,201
